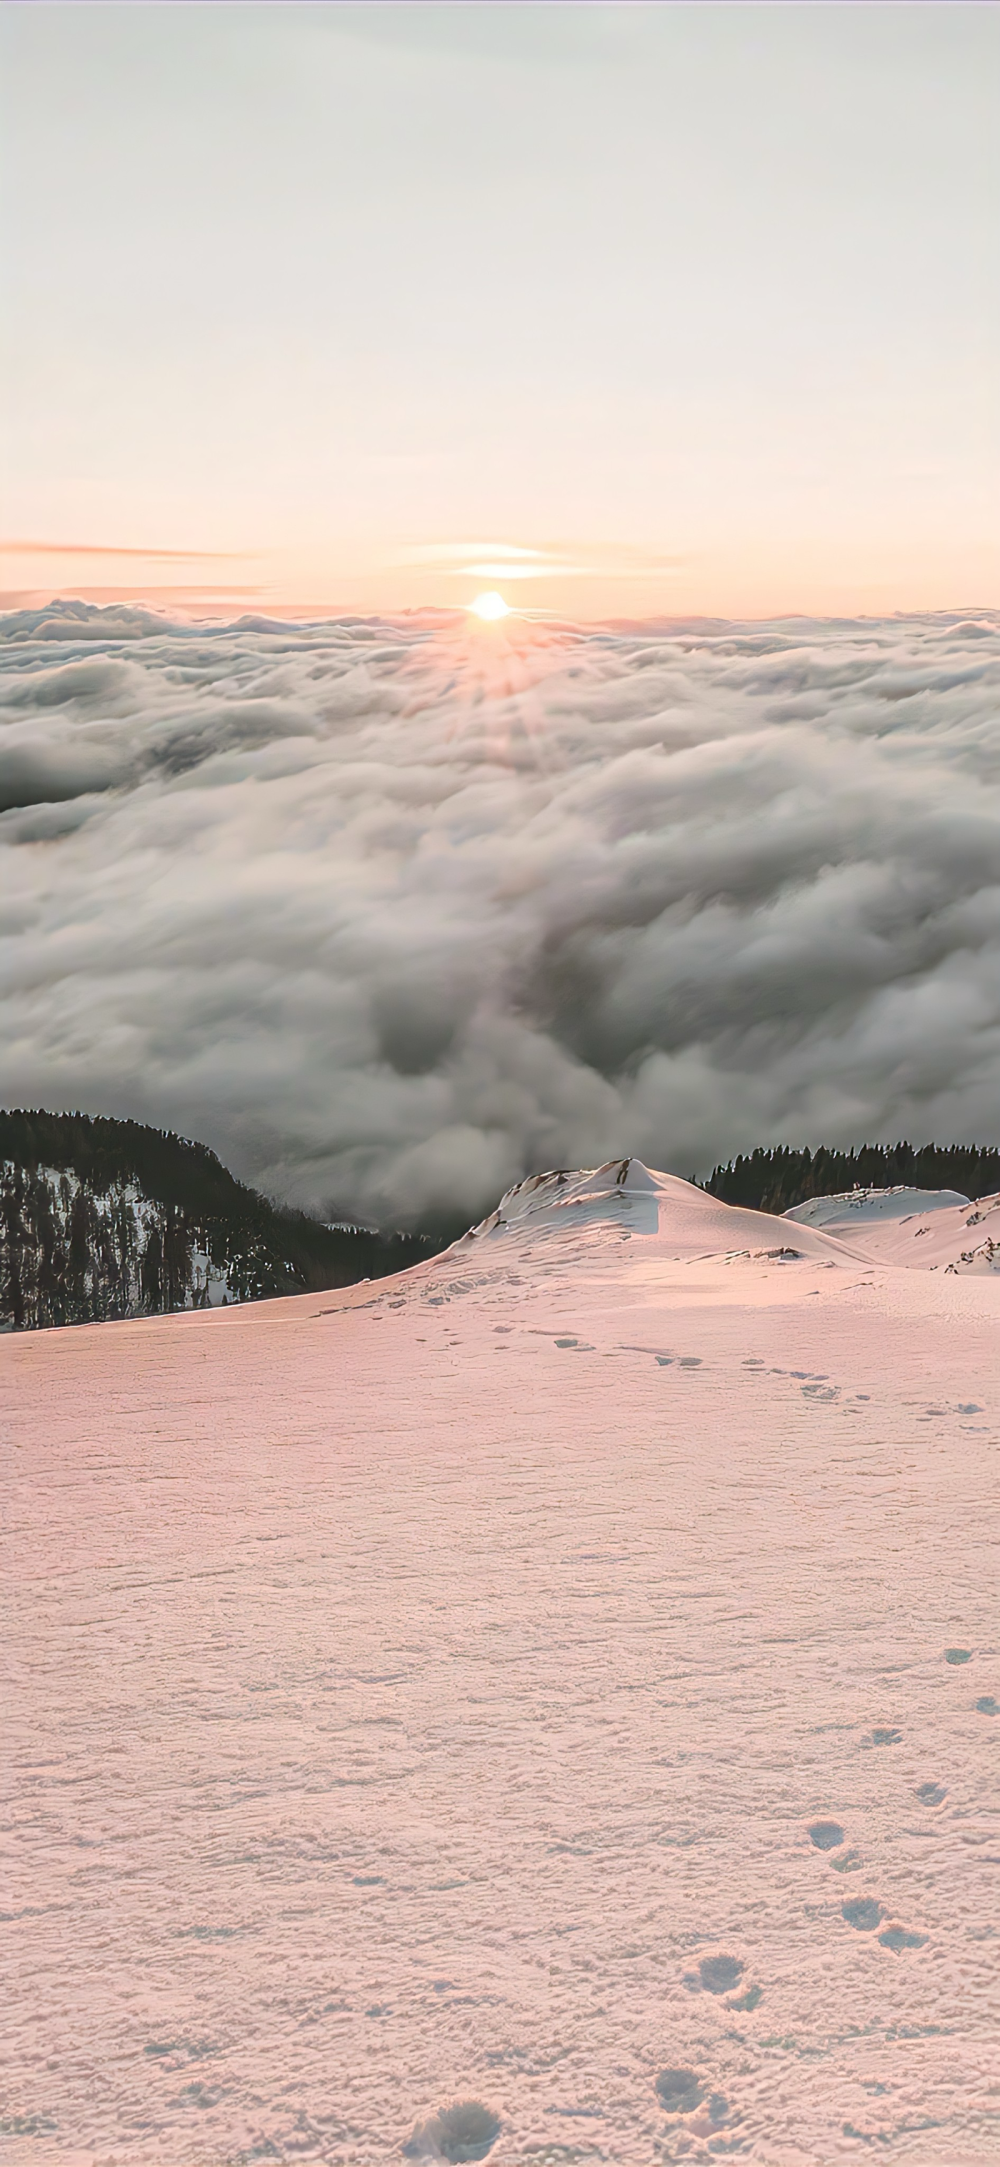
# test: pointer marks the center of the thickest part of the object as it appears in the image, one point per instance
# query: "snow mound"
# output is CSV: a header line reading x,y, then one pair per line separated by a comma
x,y
918,1229
855,1206
574,1215
622,1190
580,1217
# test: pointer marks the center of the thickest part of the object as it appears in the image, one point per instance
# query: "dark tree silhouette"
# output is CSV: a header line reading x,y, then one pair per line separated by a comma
x,y
775,1180
102,1219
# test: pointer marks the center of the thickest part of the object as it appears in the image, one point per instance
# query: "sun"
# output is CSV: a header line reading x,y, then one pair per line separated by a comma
x,y
489,607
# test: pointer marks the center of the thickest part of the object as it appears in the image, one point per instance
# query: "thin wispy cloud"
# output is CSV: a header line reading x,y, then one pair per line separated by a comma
x,y
510,560
111,549
181,597
459,553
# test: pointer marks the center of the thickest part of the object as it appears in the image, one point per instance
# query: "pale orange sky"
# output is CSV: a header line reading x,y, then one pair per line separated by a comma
x,y
675,309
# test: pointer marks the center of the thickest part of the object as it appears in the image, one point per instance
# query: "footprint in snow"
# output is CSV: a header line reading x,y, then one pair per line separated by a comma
x,y
826,1835
987,1705
931,1794
958,1655
680,2091
719,1974
885,1736
900,1937
465,2131
863,1913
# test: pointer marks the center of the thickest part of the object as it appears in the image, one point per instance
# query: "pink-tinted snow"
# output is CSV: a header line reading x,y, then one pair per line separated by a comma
x,y
572,1661
930,1230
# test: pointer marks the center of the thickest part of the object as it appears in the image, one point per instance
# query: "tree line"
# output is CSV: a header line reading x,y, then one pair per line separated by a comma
x,y
102,1219
775,1180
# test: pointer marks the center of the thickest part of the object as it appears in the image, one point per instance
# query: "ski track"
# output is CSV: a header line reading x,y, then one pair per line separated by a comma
x,y
415,1691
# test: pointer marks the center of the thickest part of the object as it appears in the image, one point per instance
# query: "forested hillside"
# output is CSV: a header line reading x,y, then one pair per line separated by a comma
x,y
775,1180
102,1219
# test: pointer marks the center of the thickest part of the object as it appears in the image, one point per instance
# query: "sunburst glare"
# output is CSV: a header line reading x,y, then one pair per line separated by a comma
x,y
490,607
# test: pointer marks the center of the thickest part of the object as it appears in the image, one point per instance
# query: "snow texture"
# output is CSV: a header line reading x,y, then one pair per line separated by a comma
x,y
392,914
545,1702
887,1225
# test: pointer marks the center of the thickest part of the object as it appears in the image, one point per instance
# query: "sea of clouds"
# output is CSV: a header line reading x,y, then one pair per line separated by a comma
x,y
391,913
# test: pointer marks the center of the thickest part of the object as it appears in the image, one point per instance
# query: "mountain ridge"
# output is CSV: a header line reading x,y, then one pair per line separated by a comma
x,y
103,1218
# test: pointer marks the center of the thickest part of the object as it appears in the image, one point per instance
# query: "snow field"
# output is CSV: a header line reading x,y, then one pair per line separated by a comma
x,y
564,1678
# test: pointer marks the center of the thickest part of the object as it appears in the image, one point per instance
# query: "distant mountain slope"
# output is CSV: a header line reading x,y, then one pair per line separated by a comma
x,y
928,1230
776,1180
103,1219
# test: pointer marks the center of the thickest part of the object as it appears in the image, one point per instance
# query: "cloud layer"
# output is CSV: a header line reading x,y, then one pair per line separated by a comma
x,y
392,914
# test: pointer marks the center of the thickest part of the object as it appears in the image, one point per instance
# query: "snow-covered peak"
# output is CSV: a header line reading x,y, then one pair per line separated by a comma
x,y
584,1214
611,1191
575,1211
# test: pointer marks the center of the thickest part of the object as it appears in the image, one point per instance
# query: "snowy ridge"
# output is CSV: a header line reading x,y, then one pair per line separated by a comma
x,y
581,1209
867,1206
922,1229
918,1229
609,1192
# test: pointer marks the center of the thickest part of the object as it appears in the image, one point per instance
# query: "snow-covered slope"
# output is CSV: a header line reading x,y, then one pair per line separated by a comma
x,y
923,1229
686,1221
563,1678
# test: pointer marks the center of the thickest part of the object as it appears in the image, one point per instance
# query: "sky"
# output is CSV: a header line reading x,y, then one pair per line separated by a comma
x,y
673,309
391,914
